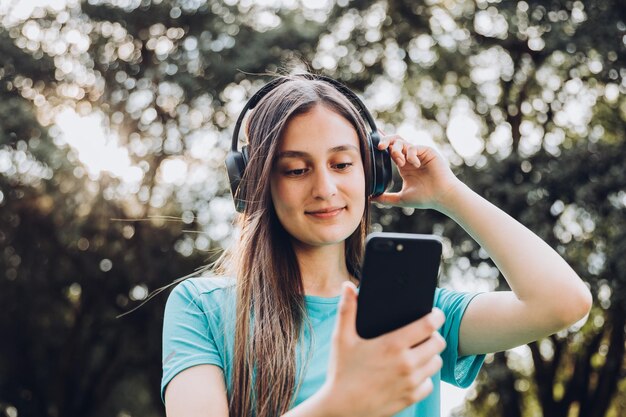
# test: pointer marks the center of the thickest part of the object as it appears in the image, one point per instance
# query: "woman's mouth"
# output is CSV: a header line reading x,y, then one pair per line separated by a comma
x,y
326,213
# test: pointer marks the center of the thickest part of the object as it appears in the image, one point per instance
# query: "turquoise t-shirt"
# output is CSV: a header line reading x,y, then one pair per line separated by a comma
x,y
198,328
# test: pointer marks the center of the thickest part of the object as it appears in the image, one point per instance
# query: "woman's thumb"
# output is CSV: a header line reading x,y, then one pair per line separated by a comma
x,y
387,198
346,321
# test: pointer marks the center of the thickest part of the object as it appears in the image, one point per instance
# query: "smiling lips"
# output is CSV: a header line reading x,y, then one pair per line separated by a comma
x,y
326,213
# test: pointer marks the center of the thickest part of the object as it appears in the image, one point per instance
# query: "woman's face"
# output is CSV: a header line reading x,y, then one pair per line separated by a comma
x,y
318,181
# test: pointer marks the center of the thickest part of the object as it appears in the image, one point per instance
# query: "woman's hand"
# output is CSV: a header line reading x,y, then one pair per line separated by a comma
x,y
426,176
380,376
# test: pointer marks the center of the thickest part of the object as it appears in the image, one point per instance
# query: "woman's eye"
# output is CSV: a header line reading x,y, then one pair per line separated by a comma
x,y
295,172
343,165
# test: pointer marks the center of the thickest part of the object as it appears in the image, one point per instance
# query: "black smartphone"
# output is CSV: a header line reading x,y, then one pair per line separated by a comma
x,y
398,281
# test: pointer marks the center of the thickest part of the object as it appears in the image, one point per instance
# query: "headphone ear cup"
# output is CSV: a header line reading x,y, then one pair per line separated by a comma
x,y
382,173
235,167
246,156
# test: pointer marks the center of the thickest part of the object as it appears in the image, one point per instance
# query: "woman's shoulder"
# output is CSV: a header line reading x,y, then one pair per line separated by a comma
x,y
204,289
206,284
449,300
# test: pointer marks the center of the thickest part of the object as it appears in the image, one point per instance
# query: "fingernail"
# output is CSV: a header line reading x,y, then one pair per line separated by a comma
x,y
344,288
437,317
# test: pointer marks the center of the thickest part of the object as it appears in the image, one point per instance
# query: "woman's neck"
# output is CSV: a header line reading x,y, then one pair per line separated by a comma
x,y
323,269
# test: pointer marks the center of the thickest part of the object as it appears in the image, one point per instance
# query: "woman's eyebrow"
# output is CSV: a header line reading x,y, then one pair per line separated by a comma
x,y
292,154
301,154
343,148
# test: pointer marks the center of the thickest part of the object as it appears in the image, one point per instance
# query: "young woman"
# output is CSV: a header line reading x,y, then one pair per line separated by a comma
x,y
275,333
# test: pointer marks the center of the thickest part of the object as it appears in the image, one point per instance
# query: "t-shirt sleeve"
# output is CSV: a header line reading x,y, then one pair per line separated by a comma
x,y
458,371
187,336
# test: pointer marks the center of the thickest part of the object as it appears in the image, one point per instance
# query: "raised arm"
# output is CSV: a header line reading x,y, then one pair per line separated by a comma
x,y
546,295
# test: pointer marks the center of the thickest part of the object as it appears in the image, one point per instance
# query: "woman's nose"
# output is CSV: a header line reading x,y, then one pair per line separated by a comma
x,y
324,185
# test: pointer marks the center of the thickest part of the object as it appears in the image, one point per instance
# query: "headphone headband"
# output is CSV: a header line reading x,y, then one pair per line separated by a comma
x,y
265,90
254,100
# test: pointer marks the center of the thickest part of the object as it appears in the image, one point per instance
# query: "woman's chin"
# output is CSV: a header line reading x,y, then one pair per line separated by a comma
x,y
322,240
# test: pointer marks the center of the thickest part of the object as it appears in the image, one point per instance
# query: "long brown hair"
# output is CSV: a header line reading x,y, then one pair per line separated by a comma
x,y
270,308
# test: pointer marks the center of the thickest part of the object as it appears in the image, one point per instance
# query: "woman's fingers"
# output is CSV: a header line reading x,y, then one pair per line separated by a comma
x,y
401,151
420,330
411,156
391,199
423,353
422,391
397,152
422,378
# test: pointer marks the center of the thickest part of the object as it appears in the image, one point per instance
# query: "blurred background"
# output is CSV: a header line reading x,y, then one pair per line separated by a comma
x,y
115,117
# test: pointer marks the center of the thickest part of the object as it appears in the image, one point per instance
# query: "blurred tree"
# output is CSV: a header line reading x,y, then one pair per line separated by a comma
x,y
69,269
516,95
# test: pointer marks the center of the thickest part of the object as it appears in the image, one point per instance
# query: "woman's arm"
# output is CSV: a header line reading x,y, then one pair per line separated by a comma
x,y
547,294
198,391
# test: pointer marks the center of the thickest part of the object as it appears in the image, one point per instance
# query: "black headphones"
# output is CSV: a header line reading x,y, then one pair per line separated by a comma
x,y
381,161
